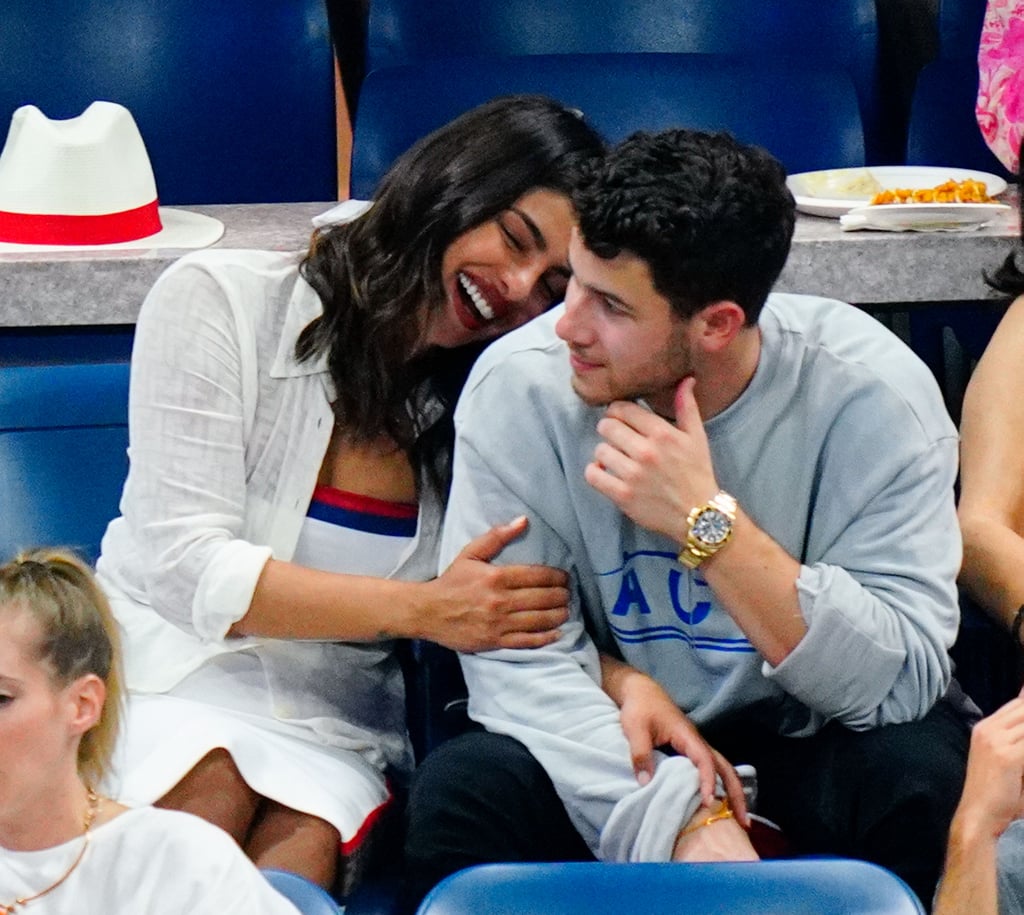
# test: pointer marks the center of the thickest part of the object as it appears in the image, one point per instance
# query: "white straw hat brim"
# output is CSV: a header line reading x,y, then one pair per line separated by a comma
x,y
181,229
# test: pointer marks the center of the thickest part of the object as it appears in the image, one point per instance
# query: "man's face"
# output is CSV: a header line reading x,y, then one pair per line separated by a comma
x,y
625,341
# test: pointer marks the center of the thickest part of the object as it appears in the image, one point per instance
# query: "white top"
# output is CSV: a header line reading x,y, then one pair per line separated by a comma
x,y
840,449
147,860
361,535
228,433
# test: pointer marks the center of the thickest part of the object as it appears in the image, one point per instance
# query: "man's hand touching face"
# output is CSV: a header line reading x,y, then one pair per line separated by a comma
x,y
653,470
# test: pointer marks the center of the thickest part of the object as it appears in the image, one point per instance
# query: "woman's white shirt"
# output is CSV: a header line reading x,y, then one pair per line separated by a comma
x,y
228,433
160,862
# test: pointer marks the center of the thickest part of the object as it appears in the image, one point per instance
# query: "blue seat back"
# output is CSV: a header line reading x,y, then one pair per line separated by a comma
x,y
959,25
806,116
943,128
405,31
306,896
843,33
63,454
826,886
235,101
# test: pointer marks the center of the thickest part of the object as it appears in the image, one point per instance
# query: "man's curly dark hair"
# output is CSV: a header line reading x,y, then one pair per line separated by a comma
x,y
711,217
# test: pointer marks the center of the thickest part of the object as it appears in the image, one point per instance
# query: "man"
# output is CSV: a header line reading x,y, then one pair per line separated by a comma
x,y
985,862
755,503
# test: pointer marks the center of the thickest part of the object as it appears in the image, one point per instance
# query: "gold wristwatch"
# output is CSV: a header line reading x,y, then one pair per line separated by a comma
x,y
708,529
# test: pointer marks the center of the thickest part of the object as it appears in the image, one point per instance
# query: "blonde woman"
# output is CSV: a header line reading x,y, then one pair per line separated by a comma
x,y
63,845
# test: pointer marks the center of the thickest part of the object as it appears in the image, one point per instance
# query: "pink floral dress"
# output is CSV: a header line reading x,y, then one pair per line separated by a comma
x,y
1000,106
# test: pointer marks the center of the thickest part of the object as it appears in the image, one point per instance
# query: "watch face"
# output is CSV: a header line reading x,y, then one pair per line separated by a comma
x,y
712,526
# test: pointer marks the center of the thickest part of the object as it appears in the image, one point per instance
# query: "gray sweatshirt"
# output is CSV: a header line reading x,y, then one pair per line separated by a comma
x,y
1010,869
840,449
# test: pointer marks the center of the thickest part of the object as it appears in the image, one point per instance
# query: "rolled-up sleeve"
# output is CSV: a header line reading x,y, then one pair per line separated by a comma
x,y
880,600
187,447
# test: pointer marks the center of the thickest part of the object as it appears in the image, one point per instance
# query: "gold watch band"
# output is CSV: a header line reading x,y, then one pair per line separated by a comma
x,y
695,550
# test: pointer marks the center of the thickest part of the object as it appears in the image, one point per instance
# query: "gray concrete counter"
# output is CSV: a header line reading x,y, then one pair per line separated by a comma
x,y
897,269
874,269
89,288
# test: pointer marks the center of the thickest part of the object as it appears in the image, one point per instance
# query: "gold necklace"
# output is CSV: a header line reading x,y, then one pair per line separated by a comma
x,y
90,815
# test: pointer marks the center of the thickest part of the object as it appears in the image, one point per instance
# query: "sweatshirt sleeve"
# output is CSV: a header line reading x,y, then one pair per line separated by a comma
x,y
877,587
550,698
187,496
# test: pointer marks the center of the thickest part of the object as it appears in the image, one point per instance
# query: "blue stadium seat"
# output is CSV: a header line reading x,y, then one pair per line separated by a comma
x,y
63,454
305,895
406,31
807,116
959,24
825,886
235,101
943,128
842,33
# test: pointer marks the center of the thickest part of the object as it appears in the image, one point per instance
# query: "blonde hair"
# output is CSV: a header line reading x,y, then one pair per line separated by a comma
x,y
79,637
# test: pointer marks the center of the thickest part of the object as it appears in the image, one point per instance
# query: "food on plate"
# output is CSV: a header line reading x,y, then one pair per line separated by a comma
x,y
840,183
967,191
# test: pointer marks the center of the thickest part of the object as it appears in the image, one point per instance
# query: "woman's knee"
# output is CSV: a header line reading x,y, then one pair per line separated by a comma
x,y
215,790
292,840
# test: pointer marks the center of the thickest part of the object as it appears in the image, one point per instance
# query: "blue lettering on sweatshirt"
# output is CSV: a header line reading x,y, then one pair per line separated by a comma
x,y
633,604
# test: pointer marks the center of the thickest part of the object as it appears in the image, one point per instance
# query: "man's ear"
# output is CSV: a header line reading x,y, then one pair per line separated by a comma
x,y
85,697
719,323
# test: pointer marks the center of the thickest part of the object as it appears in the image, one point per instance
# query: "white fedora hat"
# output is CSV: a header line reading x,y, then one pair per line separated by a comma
x,y
87,183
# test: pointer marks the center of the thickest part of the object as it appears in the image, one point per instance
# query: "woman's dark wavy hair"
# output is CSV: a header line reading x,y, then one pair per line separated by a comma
x,y
376,275
1008,278
711,217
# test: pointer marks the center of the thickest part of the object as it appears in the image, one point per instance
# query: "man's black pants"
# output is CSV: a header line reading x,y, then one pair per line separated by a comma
x,y
885,796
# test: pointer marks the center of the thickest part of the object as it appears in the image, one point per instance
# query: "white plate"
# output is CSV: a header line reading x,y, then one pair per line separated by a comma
x,y
922,217
803,185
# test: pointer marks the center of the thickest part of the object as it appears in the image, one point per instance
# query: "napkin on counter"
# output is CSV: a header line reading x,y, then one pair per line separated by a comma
x,y
345,211
922,217
851,222
852,225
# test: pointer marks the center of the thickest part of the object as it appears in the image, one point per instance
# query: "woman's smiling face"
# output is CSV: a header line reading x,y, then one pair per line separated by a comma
x,y
502,273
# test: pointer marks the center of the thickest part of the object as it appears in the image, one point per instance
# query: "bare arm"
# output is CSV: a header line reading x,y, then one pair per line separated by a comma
x,y
969,884
472,606
992,798
991,505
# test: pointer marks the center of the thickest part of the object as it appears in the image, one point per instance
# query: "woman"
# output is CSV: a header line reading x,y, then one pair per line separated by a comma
x,y
63,846
290,435
991,507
